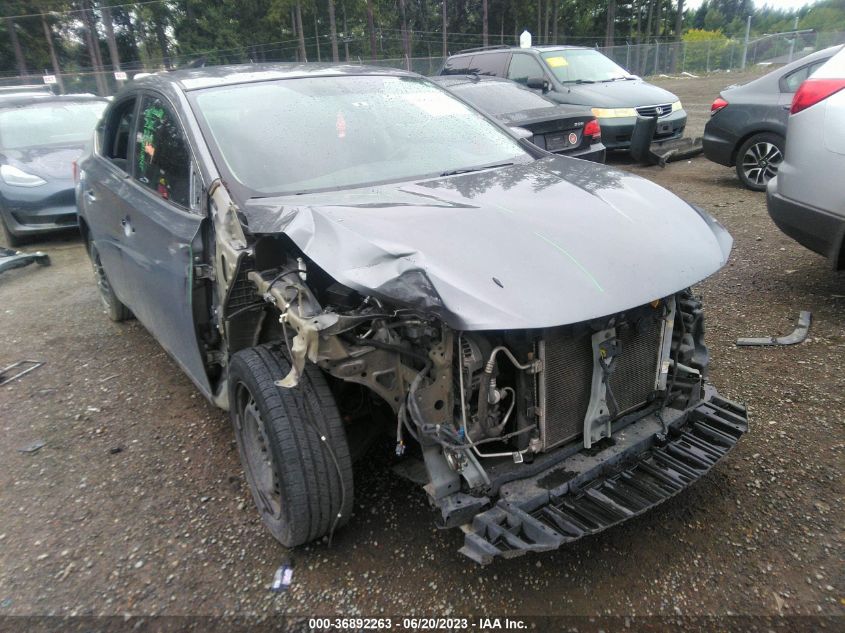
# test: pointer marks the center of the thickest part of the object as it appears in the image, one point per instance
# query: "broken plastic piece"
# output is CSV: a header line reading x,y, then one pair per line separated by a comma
x,y
798,334
282,579
33,365
33,448
10,259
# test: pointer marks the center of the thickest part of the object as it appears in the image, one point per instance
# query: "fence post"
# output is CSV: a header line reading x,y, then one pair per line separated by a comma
x,y
628,56
656,53
745,45
684,59
709,42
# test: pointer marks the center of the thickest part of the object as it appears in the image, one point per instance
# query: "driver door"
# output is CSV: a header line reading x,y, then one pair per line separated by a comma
x,y
162,234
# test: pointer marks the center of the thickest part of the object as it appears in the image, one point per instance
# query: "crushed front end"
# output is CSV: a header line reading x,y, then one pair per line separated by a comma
x,y
525,439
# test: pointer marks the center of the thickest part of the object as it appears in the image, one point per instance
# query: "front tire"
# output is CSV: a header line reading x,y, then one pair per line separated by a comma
x,y
758,159
301,484
12,240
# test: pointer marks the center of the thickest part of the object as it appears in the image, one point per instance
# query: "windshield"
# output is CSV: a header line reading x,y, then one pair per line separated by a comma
x,y
498,97
66,123
583,65
298,135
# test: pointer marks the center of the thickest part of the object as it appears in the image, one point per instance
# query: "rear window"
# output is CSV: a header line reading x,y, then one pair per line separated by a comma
x,y
456,65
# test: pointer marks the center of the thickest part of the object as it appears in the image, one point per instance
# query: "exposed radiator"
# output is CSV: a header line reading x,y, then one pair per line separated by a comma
x,y
563,387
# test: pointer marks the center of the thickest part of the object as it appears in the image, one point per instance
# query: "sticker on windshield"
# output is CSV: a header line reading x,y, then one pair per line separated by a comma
x,y
556,62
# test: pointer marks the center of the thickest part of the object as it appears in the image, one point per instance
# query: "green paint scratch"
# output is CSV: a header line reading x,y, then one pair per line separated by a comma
x,y
572,259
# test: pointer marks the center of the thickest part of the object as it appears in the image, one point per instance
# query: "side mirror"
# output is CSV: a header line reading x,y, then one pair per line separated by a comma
x,y
538,83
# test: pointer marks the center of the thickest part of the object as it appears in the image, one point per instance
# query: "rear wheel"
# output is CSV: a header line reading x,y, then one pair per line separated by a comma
x,y
114,308
292,446
758,159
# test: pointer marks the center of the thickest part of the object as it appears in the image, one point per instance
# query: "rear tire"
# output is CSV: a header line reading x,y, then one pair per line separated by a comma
x,y
301,484
758,159
114,308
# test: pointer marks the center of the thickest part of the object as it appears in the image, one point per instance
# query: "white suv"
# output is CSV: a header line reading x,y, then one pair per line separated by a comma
x,y
806,199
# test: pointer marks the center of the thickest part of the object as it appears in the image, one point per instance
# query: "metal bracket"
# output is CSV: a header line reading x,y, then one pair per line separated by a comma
x,y
33,365
798,334
597,421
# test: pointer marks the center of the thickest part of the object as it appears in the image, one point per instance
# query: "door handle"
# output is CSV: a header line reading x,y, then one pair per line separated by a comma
x,y
92,197
127,226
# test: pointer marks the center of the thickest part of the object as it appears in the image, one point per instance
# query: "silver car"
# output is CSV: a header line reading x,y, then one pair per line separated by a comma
x,y
805,199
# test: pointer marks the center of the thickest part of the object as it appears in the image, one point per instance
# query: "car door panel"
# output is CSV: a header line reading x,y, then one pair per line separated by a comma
x,y
158,251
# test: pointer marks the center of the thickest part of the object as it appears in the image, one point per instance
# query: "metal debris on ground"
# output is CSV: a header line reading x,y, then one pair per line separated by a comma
x,y
798,334
10,258
23,367
282,579
33,448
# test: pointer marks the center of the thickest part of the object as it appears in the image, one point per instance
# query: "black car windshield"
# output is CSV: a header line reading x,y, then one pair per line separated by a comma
x,y
313,133
582,64
56,123
500,97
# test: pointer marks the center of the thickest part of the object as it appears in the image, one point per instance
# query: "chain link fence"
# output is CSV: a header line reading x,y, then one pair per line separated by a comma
x,y
647,59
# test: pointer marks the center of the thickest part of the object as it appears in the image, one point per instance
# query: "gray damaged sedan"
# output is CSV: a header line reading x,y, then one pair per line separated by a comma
x,y
334,253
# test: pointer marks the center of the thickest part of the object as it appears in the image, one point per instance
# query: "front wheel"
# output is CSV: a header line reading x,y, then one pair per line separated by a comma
x,y
758,159
292,446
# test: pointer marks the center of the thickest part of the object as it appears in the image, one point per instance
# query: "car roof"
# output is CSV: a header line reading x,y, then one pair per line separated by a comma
x,y
770,82
508,49
450,81
213,76
22,100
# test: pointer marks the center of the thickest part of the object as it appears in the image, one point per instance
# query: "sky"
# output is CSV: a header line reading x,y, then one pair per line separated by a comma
x,y
775,4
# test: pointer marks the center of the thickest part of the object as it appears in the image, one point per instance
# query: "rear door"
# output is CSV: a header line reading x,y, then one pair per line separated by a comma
x,y
105,188
163,231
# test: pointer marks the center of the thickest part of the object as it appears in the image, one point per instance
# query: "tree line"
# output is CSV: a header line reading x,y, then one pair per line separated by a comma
x,y
101,36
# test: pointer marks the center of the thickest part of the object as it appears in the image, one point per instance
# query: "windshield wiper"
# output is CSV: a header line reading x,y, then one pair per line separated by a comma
x,y
578,81
604,81
467,170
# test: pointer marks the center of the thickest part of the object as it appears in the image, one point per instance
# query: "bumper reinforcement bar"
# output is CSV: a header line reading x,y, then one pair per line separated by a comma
x,y
705,435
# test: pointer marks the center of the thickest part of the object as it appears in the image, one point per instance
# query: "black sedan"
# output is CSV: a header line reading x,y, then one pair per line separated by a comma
x,y
747,126
562,129
40,138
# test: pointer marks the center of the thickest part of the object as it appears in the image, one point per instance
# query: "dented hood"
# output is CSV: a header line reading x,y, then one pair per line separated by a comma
x,y
552,242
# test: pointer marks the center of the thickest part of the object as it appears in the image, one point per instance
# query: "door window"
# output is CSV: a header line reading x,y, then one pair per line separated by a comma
x,y
524,67
114,143
162,158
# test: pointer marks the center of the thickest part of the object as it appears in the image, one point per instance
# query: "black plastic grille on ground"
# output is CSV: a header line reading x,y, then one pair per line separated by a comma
x,y
710,431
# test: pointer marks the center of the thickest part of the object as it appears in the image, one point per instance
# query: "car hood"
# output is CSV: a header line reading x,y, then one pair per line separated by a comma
x,y
616,94
551,242
570,114
49,163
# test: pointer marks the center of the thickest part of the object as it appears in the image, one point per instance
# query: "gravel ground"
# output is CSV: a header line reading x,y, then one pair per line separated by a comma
x,y
136,503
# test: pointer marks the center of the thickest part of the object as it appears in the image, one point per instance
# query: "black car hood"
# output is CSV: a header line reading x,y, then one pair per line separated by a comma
x,y
49,162
570,114
617,94
547,243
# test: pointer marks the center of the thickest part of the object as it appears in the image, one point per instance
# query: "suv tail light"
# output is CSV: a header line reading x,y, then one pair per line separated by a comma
x,y
718,104
814,90
75,167
593,129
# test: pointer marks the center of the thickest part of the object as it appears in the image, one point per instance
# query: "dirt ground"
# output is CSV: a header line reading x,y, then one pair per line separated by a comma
x,y
136,504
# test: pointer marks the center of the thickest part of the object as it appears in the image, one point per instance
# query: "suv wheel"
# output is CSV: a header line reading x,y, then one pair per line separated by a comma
x,y
114,308
292,446
758,159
